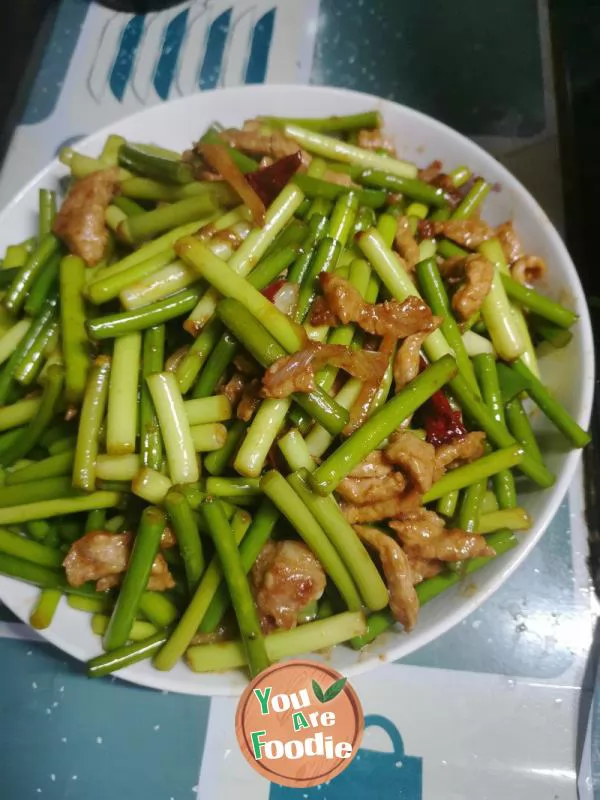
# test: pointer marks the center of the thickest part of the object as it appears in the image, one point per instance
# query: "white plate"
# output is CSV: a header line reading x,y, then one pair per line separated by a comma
x,y
568,372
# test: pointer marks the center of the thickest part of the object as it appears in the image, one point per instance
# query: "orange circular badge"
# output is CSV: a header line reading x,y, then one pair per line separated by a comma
x,y
299,723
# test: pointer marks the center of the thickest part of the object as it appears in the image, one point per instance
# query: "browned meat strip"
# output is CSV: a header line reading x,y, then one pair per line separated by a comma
x,y
249,401
510,242
102,556
424,536
528,269
445,182
234,388
167,539
362,406
246,364
285,578
160,577
430,172
374,466
407,361
385,509
404,602
475,274
459,451
80,221
423,568
391,318
364,491
321,314
296,373
407,244
275,146
469,233
375,140
96,555
415,457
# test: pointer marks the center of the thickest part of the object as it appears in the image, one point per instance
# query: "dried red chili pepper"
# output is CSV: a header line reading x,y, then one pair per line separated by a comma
x,y
269,181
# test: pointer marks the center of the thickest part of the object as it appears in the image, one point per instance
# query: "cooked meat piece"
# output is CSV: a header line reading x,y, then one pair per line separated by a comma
x,y
415,458
528,269
296,373
275,146
430,172
285,578
433,174
96,555
469,233
453,269
160,577
446,184
245,364
407,244
109,582
459,451
363,491
234,388
423,535
407,361
362,406
385,509
99,555
423,568
321,314
80,221
375,140
404,602
249,401
252,125
510,242
475,274
339,178
167,539
391,318
374,466
159,581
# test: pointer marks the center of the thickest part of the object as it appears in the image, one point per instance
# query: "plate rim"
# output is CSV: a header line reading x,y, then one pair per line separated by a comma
x,y
139,674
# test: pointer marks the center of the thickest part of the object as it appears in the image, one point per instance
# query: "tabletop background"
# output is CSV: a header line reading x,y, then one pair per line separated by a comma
x,y
497,707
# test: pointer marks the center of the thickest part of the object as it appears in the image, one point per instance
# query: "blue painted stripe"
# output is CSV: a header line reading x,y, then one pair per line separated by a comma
x,y
54,66
123,64
169,56
256,69
215,50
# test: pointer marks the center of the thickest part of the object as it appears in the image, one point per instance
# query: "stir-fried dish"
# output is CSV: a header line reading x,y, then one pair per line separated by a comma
x,y
268,395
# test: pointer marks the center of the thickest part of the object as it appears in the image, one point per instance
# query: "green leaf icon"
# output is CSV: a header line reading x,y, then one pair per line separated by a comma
x,y
331,693
318,692
334,690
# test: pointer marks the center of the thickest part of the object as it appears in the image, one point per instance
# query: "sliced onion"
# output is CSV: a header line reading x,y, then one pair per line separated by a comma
x,y
286,299
218,158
